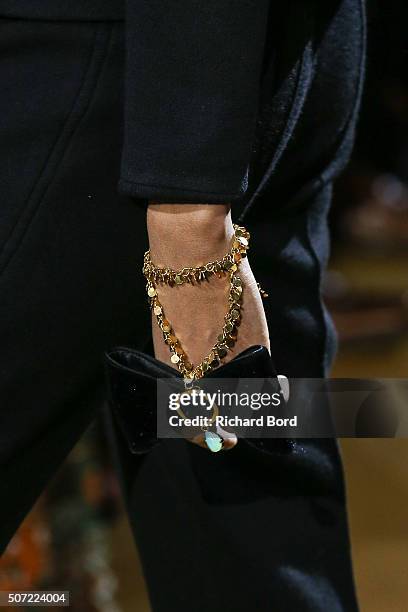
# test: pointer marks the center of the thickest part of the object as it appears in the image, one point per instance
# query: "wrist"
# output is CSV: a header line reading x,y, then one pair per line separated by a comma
x,y
181,235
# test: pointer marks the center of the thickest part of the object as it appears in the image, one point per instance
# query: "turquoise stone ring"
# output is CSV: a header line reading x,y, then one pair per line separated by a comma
x,y
213,441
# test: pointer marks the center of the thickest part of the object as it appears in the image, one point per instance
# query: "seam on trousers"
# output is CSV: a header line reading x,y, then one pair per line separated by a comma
x,y
324,180
57,152
318,268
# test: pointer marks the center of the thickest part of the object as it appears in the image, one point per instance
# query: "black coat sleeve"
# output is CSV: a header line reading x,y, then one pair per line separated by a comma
x,y
192,81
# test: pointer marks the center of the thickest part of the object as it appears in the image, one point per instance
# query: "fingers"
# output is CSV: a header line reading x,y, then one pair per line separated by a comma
x,y
229,438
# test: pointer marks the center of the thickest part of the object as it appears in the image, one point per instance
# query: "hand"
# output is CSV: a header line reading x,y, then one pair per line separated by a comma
x,y
190,235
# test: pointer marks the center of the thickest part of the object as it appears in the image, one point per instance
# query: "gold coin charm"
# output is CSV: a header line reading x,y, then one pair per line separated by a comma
x,y
166,327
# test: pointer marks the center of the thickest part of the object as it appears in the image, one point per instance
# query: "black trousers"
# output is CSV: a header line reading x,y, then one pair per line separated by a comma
x,y
236,531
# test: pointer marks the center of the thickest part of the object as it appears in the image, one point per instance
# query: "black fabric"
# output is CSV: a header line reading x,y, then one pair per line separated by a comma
x,y
60,10
132,388
223,85
70,247
207,71
198,87
267,521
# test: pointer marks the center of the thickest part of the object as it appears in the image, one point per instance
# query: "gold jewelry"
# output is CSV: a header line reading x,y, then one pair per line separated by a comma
x,y
199,274
225,341
227,338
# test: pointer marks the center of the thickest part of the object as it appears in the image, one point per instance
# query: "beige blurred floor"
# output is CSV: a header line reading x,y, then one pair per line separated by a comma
x,y
377,483
376,474
377,470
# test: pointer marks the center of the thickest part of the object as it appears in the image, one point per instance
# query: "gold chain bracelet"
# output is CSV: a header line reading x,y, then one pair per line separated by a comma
x,y
227,338
198,274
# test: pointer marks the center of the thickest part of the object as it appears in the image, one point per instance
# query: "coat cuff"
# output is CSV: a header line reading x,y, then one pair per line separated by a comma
x,y
179,194
193,72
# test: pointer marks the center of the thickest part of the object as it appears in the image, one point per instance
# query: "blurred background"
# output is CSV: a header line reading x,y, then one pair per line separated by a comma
x,y
77,536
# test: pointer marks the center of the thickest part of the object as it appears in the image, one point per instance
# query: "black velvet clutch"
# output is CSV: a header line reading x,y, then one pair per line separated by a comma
x,y
132,383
